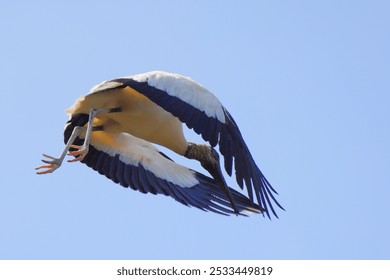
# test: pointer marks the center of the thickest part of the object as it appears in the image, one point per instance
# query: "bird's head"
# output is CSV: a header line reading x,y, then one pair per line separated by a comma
x,y
207,156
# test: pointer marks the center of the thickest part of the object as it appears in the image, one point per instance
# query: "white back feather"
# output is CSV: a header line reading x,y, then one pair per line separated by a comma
x,y
185,89
135,151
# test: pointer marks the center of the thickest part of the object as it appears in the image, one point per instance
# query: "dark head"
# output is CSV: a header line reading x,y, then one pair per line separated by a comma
x,y
209,159
206,155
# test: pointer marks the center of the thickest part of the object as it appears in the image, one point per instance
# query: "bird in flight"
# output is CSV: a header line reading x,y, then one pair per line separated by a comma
x,y
112,129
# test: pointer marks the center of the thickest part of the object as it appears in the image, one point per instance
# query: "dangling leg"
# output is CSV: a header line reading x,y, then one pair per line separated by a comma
x,y
82,150
55,163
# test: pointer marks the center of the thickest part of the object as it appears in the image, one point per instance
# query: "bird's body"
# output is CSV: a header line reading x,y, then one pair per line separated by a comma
x,y
111,130
139,117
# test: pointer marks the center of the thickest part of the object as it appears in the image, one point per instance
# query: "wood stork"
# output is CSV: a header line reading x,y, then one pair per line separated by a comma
x,y
111,130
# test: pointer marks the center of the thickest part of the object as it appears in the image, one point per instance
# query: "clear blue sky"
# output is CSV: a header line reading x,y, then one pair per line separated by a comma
x,y
307,82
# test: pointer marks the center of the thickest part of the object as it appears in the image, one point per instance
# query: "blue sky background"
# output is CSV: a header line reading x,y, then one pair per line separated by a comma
x,y
307,82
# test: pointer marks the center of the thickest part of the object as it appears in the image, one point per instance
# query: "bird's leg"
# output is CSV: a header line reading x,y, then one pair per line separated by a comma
x,y
209,159
55,163
82,150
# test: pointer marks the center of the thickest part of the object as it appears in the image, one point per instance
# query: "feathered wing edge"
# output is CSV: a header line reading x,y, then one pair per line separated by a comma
x,y
224,133
205,195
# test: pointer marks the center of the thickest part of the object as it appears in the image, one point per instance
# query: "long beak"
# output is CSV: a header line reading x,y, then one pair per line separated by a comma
x,y
216,172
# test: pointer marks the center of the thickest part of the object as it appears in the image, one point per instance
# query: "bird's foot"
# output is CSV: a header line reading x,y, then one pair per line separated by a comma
x,y
79,155
53,164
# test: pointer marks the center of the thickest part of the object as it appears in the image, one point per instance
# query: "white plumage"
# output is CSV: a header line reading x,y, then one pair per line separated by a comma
x,y
111,130
194,94
135,151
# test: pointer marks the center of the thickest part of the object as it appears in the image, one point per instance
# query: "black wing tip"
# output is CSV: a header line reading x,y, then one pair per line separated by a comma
x,y
206,196
268,212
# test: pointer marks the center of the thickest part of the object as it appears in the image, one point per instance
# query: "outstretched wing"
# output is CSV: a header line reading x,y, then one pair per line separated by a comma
x,y
200,110
135,163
